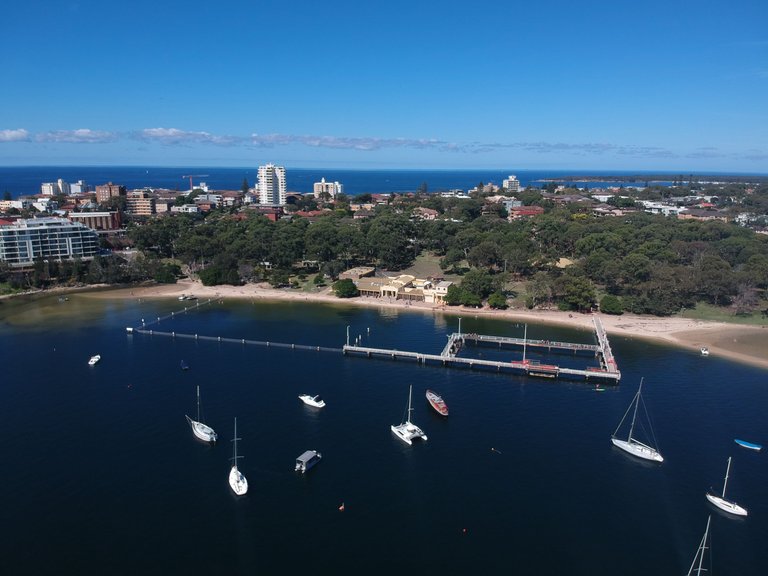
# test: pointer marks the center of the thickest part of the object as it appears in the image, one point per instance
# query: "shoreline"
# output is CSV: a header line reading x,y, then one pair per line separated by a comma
x,y
739,343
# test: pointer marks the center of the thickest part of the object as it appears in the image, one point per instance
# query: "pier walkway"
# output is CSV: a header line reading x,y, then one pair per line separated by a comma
x,y
448,357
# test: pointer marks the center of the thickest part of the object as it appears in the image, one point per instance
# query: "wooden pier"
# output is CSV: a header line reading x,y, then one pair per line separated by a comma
x,y
608,369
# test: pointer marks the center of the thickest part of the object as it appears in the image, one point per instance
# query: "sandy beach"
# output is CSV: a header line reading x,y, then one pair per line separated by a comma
x,y
746,344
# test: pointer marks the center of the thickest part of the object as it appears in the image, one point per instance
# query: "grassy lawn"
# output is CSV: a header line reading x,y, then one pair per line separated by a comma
x,y
718,314
429,265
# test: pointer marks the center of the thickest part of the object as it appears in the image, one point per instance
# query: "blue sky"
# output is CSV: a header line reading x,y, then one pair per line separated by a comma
x,y
672,85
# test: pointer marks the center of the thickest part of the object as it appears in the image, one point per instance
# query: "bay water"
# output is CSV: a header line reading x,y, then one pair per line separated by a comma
x,y
101,473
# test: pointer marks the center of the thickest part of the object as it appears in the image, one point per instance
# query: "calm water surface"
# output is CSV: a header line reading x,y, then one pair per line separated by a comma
x,y
102,475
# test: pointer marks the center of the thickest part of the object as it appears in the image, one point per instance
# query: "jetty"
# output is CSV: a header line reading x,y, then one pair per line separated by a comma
x,y
608,369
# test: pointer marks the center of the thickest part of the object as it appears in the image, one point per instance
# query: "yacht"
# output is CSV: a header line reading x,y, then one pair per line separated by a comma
x,y
94,360
315,401
407,431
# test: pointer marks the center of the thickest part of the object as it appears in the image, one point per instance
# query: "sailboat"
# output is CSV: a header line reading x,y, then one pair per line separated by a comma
x,y
697,566
407,431
237,481
632,445
722,503
202,431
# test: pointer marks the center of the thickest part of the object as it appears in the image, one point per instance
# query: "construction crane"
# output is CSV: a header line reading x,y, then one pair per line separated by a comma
x,y
190,176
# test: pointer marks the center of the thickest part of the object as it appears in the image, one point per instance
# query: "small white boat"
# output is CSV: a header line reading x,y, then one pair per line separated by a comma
x,y
315,401
704,351
722,503
202,431
307,460
237,481
182,297
632,445
407,431
94,360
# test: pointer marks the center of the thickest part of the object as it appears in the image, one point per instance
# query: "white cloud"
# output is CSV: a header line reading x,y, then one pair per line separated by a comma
x,y
79,136
18,135
172,136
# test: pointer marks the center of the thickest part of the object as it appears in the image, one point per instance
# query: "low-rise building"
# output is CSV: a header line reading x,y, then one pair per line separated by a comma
x,y
99,221
140,203
106,191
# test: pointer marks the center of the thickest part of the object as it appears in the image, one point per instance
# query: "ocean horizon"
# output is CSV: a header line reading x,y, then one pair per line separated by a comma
x,y
25,180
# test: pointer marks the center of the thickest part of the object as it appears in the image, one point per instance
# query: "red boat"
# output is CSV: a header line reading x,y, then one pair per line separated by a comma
x,y
437,403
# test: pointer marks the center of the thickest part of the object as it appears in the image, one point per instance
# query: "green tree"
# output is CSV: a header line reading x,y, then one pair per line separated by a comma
x,y
497,300
611,304
345,288
478,283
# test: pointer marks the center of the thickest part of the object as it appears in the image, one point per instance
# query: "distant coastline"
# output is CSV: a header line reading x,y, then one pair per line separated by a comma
x,y
659,178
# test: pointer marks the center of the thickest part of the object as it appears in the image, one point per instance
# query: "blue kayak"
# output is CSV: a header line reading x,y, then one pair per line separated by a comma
x,y
749,445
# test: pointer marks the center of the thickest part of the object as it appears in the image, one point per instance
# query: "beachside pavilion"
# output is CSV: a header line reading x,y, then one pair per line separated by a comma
x,y
404,287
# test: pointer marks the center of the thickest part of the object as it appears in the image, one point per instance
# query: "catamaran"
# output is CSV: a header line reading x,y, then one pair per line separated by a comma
x,y
407,431
697,566
632,445
202,431
722,503
237,481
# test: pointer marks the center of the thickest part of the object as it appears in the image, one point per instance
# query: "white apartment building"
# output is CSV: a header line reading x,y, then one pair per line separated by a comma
x,y
272,189
330,188
22,241
511,184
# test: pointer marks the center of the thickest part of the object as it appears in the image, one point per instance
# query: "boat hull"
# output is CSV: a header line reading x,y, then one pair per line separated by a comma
x,y
407,432
437,403
749,445
202,431
310,401
237,481
638,449
726,506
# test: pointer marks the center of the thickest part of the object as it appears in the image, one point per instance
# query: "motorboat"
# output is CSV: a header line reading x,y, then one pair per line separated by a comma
x,y
436,401
748,445
408,431
704,351
94,360
315,401
307,460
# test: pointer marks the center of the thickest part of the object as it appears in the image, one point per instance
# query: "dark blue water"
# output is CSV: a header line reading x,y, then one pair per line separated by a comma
x,y
101,474
26,180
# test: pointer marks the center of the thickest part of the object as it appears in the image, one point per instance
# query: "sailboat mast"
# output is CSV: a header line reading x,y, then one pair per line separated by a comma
x,y
525,339
198,403
634,414
700,553
410,392
727,471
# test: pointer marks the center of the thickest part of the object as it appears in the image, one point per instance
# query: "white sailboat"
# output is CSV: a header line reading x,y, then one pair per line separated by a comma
x,y
722,503
202,431
697,566
632,445
237,481
407,431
